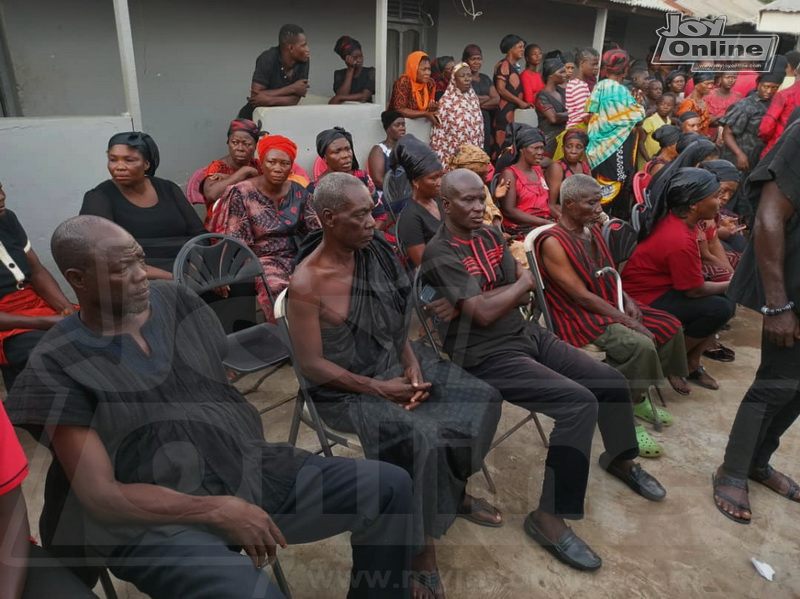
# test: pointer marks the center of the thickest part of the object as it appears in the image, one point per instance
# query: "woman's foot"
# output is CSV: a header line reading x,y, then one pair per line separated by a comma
x,y
479,511
731,496
679,384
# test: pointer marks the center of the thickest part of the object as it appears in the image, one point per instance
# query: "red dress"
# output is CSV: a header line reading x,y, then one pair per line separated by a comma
x,y
532,197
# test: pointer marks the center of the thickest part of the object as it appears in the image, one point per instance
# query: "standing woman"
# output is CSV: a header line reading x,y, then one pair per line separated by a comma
x,y
394,124
509,87
355,82
413,94
442,73
269,214
532,81
484,88
154,211
422,217
525,205
675,82
612,137
695,102
460,116
551,105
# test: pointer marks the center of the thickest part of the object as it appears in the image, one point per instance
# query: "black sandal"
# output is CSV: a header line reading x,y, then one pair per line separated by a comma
x,y
479,504
696,378
431,581
761,476
729,481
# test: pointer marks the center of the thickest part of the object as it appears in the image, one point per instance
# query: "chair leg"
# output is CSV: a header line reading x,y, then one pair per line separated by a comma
x,y
539,428
260,380
280,579
657,424
107,585
489,482
294,429
660,396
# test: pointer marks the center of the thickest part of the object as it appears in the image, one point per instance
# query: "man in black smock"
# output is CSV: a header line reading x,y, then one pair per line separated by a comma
x,y
471,266
768,279
168,460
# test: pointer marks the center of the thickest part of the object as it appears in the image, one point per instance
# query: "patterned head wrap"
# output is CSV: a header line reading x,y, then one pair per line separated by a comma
x,y
616,62
578,134
249,127
468,154
345,46
276,142
139,141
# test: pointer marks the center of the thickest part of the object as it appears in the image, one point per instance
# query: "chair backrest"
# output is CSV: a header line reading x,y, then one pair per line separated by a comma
x,y
533,265
279,309
212,260
621,239
637,216
640,182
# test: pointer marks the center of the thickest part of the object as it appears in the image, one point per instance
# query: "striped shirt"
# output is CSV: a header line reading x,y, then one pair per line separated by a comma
x,y
577,96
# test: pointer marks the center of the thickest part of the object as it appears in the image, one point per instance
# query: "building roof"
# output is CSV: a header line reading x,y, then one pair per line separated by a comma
x,y
658,5
736,11
782,6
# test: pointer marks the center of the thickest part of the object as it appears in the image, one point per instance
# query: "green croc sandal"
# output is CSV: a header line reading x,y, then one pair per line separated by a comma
x,y
644,411
648,448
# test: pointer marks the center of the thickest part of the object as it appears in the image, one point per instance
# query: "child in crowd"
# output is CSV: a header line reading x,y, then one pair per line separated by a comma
x,y
649,147
655,89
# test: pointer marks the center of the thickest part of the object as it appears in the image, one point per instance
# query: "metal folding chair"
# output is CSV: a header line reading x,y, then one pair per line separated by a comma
x,y
214,260
304,409
430,334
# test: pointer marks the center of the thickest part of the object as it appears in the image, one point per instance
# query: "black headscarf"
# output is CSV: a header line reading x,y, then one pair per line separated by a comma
x,y
509,42
416,157
550,66
701,76
667,135
522,136
438,65
778,72
689,114
388,117
142,142
671,75
568,57
346,45
723,169
327,137
688,186
687,139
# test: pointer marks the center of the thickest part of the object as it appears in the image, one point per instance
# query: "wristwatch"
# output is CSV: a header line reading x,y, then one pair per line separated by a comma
x,y
775,311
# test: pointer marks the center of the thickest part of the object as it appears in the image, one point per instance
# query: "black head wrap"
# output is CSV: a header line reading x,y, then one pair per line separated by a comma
x,y
509,42
689,114
568,57
438,65
142,142
550,66
671,75
471,50
687,139
667,135
388,117
415,156
778,72
327,137
346,45
723,169
701,76
246,126
522,136
688,186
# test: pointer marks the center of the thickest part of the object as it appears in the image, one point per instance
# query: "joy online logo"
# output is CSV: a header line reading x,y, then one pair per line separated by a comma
x,y
692,39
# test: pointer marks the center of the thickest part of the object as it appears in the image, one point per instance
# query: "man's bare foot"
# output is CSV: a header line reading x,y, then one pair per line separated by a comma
x,y
679,384
777,481
479,511
731,497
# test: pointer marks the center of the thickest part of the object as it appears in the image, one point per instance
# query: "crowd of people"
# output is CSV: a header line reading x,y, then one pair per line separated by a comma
x,y
161,471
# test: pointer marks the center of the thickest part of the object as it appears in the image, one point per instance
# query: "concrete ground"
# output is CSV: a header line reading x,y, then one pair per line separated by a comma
x,y
681,547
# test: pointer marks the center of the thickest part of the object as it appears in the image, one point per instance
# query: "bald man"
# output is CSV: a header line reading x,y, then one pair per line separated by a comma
x,y
166,458
469,264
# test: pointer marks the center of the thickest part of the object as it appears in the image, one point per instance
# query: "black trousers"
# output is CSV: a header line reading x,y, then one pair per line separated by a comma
x,y
48,578
701,316
370,499
578,392
768,409
17,348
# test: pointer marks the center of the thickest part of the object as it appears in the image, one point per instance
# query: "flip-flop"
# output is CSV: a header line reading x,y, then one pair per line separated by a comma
x,y
728,481
431,581
644,411
696,378
680,391
479,504
760,476
648,448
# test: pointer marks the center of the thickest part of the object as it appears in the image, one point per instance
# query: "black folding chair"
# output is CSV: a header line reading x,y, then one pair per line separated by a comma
x,y
431,335
214,260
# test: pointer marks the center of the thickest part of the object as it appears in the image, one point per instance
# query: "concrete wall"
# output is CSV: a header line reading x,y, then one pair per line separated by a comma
x,y
46,167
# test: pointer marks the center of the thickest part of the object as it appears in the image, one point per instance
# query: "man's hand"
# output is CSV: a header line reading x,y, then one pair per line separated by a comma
x,y
632,310
442,309
742,163
300,87
245,524
400,390
414,375
782,329
47,322
637,326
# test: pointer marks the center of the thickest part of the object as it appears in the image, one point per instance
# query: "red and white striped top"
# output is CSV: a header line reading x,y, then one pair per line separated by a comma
x,y
577,96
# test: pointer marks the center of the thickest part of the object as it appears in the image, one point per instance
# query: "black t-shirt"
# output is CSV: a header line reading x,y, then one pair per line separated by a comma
x,y
417,226
365,80
460,269
269,71
14,266
170,418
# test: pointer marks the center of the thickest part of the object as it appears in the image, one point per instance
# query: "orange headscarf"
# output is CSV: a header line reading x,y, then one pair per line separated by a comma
x,y
419,91
276,142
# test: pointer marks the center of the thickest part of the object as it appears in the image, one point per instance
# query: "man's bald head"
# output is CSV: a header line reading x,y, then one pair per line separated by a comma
x,y
458,182
76,242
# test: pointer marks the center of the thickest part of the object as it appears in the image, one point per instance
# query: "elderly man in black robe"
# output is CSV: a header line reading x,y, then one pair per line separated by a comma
x,y
349,316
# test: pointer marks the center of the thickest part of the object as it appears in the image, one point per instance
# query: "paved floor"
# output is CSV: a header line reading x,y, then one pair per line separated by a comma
x,y
681,547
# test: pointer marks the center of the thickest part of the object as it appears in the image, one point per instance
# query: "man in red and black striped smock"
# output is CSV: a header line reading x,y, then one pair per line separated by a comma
x,y
469,264
645,344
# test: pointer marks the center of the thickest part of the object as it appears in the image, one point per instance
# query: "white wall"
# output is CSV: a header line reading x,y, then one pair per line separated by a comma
x,y
46,167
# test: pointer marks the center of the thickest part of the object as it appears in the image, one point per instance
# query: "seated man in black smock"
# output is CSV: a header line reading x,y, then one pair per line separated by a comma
x,y
168,460
281,74
470,265
349,316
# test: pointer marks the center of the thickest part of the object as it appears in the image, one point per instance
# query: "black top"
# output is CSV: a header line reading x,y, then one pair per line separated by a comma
x,y
417,226
460,269
161,230
482,87
269,71
170,418
365,80
14,266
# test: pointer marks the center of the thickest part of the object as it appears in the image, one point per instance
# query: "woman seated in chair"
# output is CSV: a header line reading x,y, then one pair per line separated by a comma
x,y
572,163
394,124
667,137
155,211
270,214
